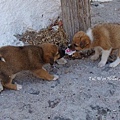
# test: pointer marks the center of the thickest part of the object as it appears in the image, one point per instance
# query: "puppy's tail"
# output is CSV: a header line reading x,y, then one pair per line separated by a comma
x,y
2,59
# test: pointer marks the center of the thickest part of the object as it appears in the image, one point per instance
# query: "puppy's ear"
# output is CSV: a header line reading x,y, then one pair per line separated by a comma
x,y
54,49
84,43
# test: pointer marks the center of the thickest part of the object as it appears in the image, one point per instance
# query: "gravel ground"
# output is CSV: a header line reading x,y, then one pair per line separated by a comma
x,y
83,91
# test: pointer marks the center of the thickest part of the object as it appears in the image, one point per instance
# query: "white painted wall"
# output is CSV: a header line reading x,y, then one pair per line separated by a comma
x,y
18,15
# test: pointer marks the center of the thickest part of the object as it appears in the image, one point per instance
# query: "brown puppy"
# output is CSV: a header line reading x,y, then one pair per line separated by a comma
x,y
103,38
15,59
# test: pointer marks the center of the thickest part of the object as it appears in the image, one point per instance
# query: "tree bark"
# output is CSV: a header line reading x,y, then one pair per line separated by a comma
x,y
75,16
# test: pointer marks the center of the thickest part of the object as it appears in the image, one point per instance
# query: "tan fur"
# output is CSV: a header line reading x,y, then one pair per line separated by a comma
x,y
30,58
106,36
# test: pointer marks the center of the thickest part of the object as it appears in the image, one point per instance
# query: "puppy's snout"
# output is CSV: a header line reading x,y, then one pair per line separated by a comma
x,y
62,53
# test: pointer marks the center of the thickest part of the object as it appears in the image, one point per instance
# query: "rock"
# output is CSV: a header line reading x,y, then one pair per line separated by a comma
x,y
53,103
60,118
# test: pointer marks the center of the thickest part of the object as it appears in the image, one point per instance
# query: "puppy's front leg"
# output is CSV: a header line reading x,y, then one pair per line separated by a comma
x,y
97,53
43,74
104,58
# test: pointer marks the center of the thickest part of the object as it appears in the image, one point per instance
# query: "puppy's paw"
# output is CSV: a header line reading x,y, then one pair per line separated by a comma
x,y
19,87
101,64
1,87
113,64
94,57
55,77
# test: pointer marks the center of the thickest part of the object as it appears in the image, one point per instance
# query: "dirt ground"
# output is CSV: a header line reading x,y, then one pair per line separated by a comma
x,y
83,91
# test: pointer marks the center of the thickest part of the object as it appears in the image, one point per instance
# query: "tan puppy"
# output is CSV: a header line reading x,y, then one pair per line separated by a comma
x,y
15,59
103,38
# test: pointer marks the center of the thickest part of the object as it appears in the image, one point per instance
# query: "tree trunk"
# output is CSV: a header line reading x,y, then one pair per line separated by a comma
x,y
75,16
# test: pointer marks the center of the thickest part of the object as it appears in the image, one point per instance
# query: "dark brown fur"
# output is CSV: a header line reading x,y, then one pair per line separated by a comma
x,y
32,58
